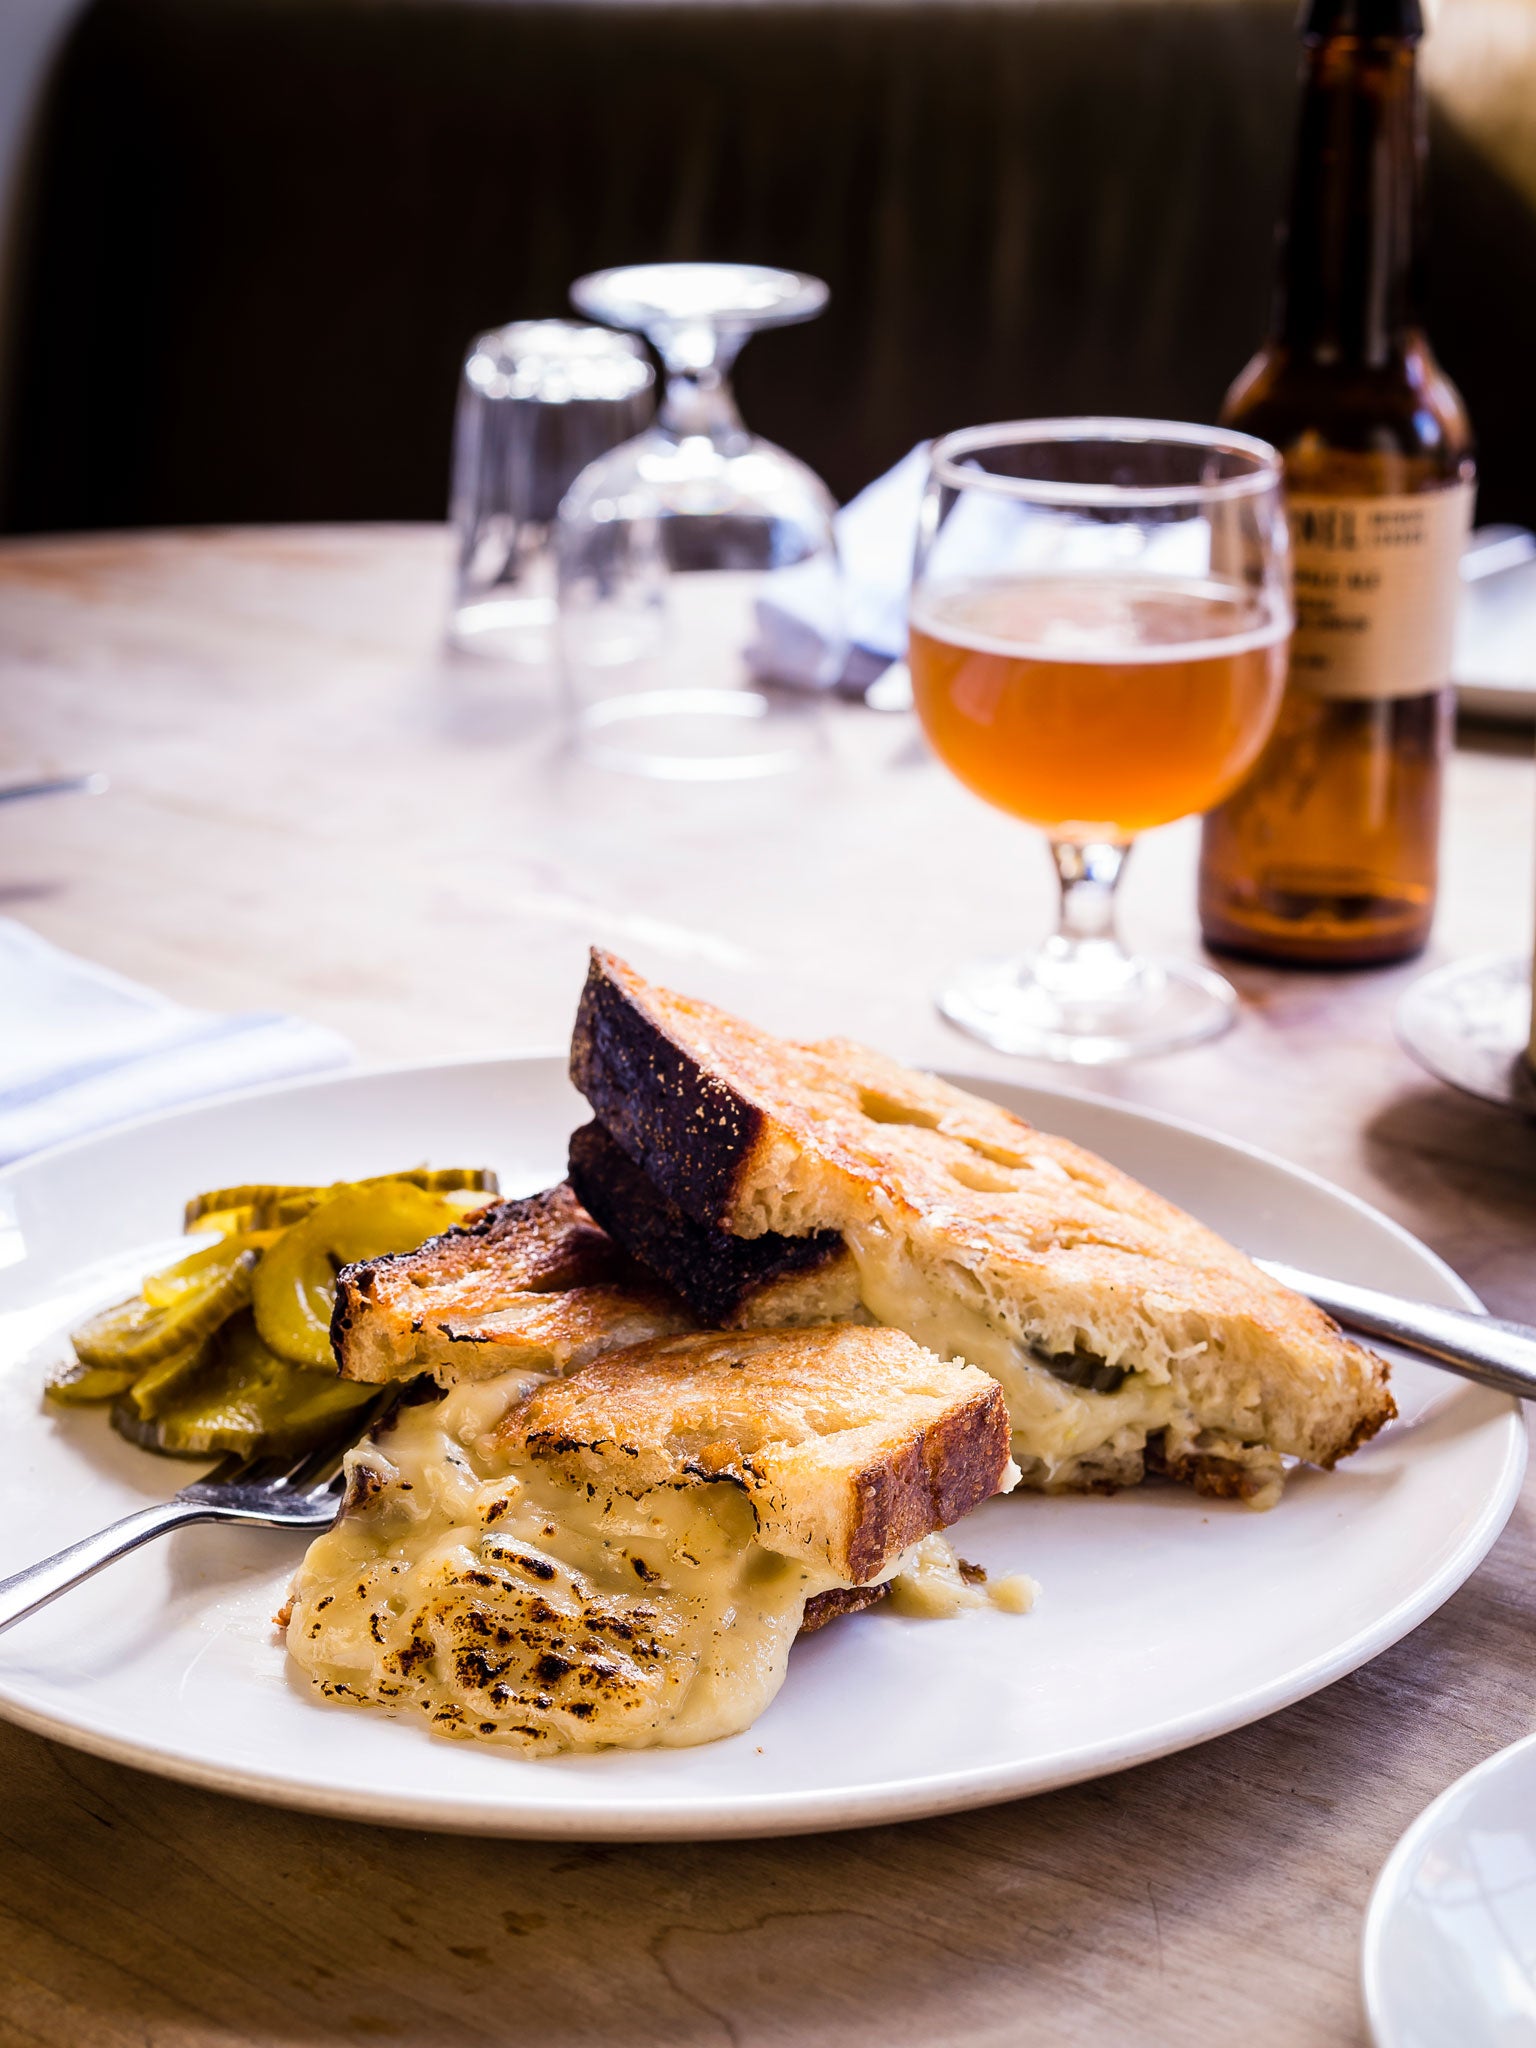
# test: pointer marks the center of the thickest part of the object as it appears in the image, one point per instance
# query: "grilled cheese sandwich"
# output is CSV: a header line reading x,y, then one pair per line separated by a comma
x,y
1127,1337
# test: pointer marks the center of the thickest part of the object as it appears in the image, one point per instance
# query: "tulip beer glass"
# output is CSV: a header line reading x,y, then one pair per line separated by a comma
x,y
1099,618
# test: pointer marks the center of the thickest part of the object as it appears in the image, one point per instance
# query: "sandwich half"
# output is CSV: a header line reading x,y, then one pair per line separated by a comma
x,y
622,1557
1126,1337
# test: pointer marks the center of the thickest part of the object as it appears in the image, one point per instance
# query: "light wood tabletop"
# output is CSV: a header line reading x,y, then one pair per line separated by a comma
x,y
311,808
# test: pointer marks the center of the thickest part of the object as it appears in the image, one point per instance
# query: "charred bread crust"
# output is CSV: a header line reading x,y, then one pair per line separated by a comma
x,y
540,1257
1208,1473
560,1247
839,1600
690,1132
939,1477
1364,1429
715,1273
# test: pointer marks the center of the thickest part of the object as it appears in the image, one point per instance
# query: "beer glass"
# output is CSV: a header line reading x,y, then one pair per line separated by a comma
x,y
1099,618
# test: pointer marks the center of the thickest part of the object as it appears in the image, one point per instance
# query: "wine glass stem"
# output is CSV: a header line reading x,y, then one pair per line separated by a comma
x,y
1083,962
698,399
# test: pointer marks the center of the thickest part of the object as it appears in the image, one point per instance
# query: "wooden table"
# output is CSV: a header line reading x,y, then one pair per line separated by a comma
x,y
311,807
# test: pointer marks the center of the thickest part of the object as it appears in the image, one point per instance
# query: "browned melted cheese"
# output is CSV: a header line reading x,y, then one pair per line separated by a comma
x,y
478,1590
469,1584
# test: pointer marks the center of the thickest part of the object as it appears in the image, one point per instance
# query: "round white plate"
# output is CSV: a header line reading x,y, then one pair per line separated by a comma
x,y
1164,1618
1449,1955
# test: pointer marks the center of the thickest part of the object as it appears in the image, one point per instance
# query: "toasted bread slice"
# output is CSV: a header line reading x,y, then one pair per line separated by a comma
x,y
624,1556
532,1283
850,1443
1125,1334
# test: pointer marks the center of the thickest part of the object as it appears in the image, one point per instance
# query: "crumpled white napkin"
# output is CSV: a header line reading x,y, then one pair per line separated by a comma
x,y
80,1047
876,535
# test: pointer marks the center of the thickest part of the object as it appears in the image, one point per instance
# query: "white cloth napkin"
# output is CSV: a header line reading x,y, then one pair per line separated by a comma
x,y
876,534
81,1047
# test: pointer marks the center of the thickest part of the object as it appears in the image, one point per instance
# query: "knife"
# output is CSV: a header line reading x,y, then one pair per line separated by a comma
x,y
53,785
1482,1348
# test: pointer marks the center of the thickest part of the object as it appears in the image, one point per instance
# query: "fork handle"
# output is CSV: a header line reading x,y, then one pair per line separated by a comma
x,y
26,1591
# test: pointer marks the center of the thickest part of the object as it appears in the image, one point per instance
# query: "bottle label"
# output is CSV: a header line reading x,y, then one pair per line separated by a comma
x,y
1377,583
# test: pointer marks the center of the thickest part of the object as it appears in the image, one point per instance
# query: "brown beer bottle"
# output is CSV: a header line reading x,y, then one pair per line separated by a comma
x,y
1328,853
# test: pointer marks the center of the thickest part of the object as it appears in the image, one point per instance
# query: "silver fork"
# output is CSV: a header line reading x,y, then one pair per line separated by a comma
x,y
262,1493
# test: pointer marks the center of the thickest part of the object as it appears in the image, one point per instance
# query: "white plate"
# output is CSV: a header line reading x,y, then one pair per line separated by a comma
x,y
1449,1956
1164,1618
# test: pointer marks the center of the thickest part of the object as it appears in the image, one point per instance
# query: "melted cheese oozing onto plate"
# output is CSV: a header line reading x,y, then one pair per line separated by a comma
x,y
473,1585
500,1602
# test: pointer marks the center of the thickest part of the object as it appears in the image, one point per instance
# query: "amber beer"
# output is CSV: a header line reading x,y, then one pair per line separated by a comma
x,y
1096,706
1329,852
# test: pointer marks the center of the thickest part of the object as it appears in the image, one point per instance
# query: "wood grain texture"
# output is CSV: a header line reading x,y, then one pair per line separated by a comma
x,y
313,808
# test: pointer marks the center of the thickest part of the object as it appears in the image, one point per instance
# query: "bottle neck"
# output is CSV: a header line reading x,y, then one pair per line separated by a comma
x,y
1347,291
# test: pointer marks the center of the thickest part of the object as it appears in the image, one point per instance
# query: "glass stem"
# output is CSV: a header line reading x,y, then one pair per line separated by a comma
x,y
698,400
1083,963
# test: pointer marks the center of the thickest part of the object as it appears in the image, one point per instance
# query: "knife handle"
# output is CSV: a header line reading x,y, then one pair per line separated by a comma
x,y
1482,1348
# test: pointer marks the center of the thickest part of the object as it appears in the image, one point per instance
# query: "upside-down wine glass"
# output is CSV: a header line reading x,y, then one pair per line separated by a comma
x,y
700,603
1099,618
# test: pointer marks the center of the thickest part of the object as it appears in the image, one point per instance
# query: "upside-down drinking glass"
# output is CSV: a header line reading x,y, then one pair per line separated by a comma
x,y
537,401
1099,618
700,601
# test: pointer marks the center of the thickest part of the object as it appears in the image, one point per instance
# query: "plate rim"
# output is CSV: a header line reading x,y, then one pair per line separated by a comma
x,y
754,1815
1388,1879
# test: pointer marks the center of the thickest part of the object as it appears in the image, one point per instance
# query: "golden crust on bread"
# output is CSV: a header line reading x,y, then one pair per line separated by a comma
x,y
851,1443
532,1283
979,1234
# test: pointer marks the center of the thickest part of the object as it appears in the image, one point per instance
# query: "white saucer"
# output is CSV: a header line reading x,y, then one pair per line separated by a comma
x,y
1449,1955
1469,1023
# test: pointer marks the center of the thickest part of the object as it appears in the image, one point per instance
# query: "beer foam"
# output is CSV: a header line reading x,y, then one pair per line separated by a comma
x,y
1099,619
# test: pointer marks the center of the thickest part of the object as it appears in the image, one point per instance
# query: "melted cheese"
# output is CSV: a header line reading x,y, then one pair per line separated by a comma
x,y
471,1584
1053,1423
484,1593
934,1583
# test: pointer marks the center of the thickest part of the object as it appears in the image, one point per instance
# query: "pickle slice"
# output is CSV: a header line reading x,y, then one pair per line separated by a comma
x,y
243,1397
195,1272
295,1286
114,1336
134,1335
254,1219
276,1203
75,1383
250,1195
160,1387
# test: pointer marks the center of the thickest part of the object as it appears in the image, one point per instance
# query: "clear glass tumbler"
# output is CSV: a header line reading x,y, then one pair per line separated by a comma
x,y
538,400
700,601
1099,620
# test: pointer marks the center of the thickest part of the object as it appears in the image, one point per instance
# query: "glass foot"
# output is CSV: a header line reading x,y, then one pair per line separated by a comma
x,y
1012,1006
699,735
506,628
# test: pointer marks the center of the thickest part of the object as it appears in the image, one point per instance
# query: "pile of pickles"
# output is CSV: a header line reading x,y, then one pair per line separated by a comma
x,y
230,1348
